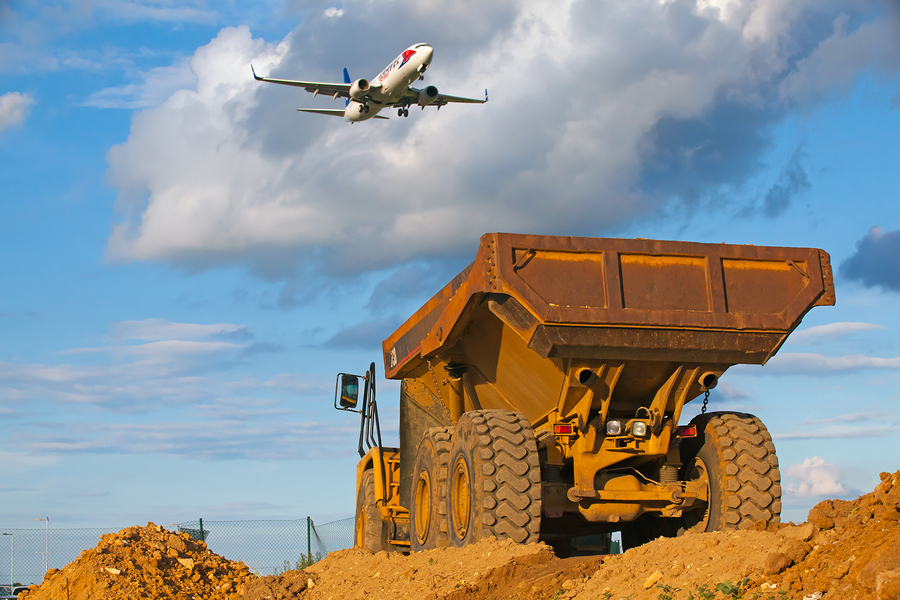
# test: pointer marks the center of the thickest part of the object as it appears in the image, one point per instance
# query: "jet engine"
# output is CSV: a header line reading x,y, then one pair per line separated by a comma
x,y
359,88
427,95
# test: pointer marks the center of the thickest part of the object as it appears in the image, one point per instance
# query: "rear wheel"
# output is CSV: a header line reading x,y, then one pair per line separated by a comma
x,y
370,529
428,516
494,479
734,453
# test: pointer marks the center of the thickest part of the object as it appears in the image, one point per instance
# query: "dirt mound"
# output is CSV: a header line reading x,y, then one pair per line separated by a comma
x,y
847,551
145,562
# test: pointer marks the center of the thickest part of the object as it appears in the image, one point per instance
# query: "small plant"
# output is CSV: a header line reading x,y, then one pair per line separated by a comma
x,y
734,590
430,561
704,593
668,591
606,596
559,593
305,560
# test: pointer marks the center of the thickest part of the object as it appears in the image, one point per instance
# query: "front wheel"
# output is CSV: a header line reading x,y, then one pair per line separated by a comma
x,y
734,453
370,529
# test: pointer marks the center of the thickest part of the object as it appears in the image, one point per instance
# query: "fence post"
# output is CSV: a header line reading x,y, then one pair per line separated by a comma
x,y
201,531
308,543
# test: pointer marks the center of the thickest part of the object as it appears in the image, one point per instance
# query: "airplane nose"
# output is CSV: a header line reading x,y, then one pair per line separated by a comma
x,y
428,51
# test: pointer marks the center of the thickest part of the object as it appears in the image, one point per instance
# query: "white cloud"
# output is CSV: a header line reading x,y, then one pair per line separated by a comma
x,y
153,10
830,331
22,462
647,105
156,86
172,366
14,109
807,363
840,433
333,12
814,477
850,418
161,329
216,438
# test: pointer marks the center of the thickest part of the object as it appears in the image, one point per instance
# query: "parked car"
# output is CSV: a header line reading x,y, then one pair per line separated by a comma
x,y
16,590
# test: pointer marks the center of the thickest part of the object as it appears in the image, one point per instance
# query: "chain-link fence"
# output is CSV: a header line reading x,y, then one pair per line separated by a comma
x,y
267,547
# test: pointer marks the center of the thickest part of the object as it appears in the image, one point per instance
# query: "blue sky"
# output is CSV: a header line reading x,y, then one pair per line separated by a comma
x,y
187,261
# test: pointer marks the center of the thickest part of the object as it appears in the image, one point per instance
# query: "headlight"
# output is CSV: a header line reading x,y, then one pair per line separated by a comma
x,y
639,429
614,428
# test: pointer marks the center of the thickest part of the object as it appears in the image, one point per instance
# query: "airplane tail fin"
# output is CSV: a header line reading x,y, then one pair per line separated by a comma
x,y
347,80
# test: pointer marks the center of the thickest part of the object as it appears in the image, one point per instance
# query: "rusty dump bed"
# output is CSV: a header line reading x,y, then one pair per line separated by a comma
x,y
528,306
623,298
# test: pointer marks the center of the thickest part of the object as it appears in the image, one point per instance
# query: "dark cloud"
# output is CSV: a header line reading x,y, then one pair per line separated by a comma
x,y
876,262
687,158
791,183
262,348
411,286
242,334
367,335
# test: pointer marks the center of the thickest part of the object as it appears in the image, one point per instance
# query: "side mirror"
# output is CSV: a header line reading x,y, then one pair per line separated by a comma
x,y
349,391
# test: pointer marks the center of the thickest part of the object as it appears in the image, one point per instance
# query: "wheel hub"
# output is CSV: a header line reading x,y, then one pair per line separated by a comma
x,y
423,506
698,520
459,497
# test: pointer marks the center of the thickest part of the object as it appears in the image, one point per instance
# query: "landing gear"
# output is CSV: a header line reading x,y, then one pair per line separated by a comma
x,y
402,112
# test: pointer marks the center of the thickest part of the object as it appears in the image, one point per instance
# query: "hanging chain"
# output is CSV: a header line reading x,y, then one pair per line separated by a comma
x,y
705,402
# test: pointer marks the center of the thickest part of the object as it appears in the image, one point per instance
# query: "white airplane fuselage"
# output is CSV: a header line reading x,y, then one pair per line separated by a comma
x,y
392,83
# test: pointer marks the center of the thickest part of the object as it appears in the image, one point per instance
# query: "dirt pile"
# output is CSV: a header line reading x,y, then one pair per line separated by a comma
x,y
846,551
145,562
358,574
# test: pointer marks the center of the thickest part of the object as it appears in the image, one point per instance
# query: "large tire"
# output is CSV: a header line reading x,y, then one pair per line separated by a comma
x,y
428,517
370,529
494,479
735,453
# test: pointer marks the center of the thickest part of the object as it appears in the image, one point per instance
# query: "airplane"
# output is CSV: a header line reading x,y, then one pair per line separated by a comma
x,y
390,89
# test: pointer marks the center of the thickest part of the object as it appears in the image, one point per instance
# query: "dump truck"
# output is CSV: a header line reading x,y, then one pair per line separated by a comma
x,y
542,391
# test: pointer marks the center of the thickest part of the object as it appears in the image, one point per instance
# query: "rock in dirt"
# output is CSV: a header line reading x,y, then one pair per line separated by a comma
x,y
148,563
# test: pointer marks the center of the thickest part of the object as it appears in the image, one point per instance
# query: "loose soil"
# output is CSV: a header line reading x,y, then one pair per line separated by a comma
x,y
145,562
846,551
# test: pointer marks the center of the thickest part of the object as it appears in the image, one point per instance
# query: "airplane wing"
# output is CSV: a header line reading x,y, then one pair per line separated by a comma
x,y
333,112
442,99
336,90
